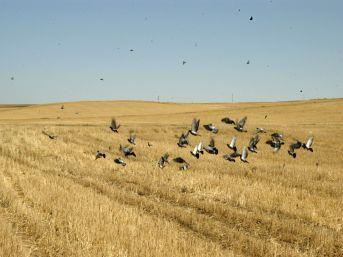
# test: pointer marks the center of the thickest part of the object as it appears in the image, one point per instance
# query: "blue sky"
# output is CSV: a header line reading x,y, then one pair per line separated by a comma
x,y
59,50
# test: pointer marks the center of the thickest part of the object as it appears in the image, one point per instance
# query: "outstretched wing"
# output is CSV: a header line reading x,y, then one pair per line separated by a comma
x,y
233,142
242,122
309,142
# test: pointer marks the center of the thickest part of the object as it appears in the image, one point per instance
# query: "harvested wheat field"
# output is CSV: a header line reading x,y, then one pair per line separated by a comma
x,y
56,200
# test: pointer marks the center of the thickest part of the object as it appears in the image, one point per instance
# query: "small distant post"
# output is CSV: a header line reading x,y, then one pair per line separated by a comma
x,y
158,98
232,97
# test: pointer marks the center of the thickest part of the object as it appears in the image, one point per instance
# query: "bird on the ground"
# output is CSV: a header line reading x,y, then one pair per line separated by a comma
x,y
163,160
211,127
260,130
227,120
244,155
308,144
51,136
197,150
253,143
211,148
232,144
99,155
195,127
120,161
184,166
114,125
293,147
240,124
132,138
231,157
127,151
183,140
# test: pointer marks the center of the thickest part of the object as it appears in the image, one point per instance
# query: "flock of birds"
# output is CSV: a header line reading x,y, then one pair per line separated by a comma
x,y
276,141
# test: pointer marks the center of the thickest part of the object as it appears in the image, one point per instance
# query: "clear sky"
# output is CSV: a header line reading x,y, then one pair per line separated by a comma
x,y
59,50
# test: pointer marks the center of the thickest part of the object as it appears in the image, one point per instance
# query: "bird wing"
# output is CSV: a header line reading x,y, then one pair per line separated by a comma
x,y
244,153
114,123
242,122
194,125
199,147
309,142
233,142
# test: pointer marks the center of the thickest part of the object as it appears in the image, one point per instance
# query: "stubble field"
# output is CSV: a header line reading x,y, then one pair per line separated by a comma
x,y
56,200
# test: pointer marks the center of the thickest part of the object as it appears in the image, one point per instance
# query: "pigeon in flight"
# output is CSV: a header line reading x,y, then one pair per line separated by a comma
x,y
232,144
253,144
132,138
248,62
240,125
197,150
227,120
62,107
211,127
120,161
260,130
149,144
277,135
251,18
100,155
102,79
231,157
244,155
49,135
293,147
275,143
308,144
183,140
114,126
184,62
184,166
195,127
163,160
131,50
12,78
127,151
211,148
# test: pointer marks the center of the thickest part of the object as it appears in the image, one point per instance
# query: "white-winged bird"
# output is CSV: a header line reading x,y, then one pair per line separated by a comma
x,y
244,155
308,144
232,144
197,150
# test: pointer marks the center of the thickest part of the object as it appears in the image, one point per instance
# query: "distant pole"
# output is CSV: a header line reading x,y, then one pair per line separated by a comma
x,y
232,97
158,98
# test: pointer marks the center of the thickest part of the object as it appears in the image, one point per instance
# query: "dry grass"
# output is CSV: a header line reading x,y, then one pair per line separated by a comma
x,y
55,200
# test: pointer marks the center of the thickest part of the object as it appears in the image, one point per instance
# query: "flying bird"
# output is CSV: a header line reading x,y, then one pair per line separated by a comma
x,y
184,166
195,127
277,135
114,126
127,151
260,130
244,155
251,18
102,79
308,144
62,107
231,157
232,144
132,138
227,120
12,78
248,62
197,150
184,62
211,148
275,143
211,127
131,50
253,143
293,147
183,140
240,125
49,135
149,144
163,160
120,161
100,155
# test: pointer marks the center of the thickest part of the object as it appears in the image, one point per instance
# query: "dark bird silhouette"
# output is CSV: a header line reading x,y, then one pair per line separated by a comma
x,y
227,120
240,125
277,135
132,138
184,62
163,160
197,150
184,166
248,62
120,161
211,127
293,147
276,143
114,125
265,117
211,148
149,144
49,135
195,127
251,18
62,107
253,143
232,144
183,140
308,144
99,155
131,50
231,157
12,78
127,151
